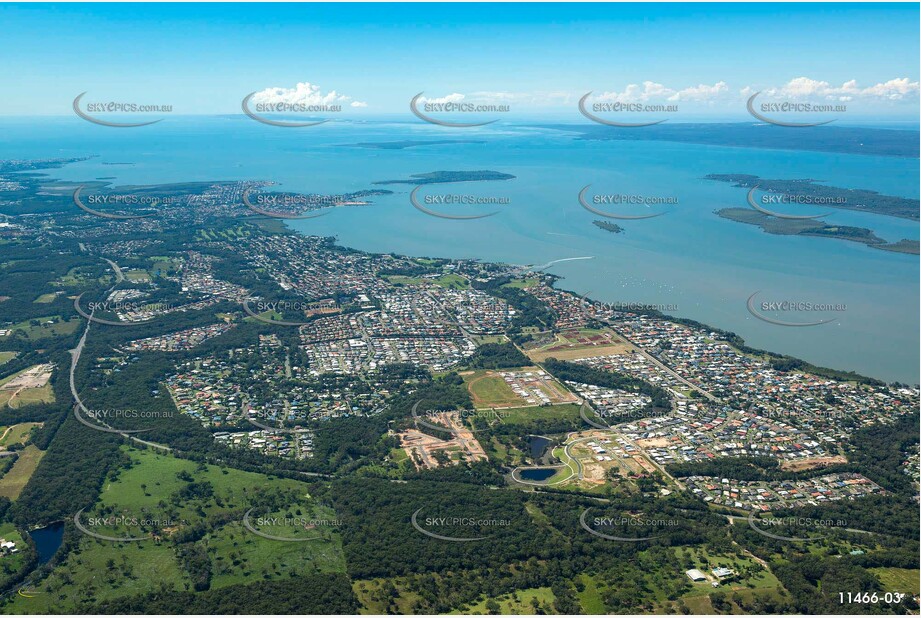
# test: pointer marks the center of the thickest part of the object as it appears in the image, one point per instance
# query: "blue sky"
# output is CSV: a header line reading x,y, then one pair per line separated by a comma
x,y
203,58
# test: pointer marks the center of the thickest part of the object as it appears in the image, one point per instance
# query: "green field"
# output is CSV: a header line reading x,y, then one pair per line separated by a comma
x,y
13,481
375,596
525,416
6,356
570,471
236,233
158,487
42,394
17,434
75,277
484,339
137,275
899,580
239,556
48,326
452,281
163,265
590,596
46,298
446,281
521,283
404,280
490,390
518,602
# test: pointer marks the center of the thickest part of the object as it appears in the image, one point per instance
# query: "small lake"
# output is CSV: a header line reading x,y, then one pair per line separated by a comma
x,y
538,445
536,474
47,540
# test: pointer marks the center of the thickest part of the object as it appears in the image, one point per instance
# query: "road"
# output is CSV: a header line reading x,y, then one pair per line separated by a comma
x,y
75,358
119,276
655,361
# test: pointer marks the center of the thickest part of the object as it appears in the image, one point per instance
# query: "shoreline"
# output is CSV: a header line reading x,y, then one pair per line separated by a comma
x,y
730,337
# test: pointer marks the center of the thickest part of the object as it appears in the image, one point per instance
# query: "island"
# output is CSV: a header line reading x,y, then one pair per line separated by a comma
x,y
401,145
843,140
431,178
607,225
811,227
824,196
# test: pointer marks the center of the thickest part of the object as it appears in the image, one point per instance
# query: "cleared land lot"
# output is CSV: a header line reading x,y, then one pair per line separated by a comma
x,y
27,386
815,462
581,343
514,388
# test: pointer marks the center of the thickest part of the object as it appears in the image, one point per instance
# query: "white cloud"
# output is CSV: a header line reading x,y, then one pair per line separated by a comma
x,y
650,91
483,97
702,92
455,97
304,93
805,87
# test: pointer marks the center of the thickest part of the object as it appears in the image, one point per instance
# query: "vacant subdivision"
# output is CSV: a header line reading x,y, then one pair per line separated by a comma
x,y
580,343
427,451
516,388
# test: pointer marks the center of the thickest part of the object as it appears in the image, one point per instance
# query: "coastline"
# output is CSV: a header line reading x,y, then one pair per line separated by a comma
x,y
730,337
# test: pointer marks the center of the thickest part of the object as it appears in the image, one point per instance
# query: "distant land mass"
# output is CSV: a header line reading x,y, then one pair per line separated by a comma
x,y
825,196
40,164
811,227
847,140
413,144
607,225
431,178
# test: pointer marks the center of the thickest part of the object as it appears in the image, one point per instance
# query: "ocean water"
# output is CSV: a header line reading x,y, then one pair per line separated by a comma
x,y
703,265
